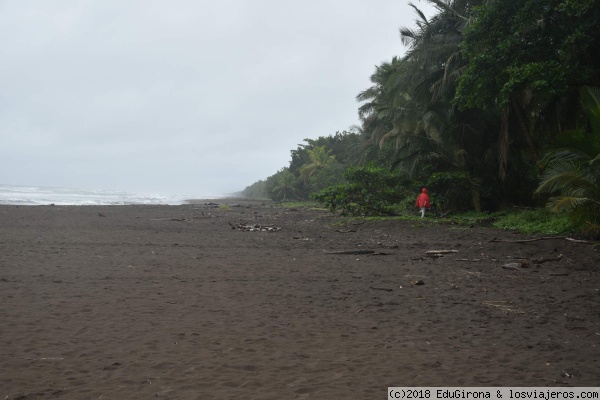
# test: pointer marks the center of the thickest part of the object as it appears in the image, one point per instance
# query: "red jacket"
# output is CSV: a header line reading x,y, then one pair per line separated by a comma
x,y
423,199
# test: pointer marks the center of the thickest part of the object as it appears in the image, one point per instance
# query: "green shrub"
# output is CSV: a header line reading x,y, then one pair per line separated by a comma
x,y
370,191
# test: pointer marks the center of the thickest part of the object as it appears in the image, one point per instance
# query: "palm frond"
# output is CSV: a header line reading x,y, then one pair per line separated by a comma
x,y
563,203
419,13
590,100
443,6
572,182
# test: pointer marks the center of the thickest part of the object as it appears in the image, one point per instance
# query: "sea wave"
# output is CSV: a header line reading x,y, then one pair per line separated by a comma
x,y
39,195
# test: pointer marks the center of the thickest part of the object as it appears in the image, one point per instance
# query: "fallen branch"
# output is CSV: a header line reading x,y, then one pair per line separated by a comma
x,y
577,240
528,240
441,251
516,266
540,238
359,251
543,260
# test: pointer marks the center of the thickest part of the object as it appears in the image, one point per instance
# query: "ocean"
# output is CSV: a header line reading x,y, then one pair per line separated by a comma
x,y
38,195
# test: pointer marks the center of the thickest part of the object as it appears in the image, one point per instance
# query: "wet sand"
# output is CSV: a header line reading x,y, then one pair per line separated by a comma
x,y
178,302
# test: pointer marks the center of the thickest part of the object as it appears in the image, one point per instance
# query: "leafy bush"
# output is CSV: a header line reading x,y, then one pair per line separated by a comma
x,y
370,191
534,221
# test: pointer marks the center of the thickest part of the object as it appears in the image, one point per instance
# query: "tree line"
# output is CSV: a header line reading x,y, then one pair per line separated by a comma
x,y
495,103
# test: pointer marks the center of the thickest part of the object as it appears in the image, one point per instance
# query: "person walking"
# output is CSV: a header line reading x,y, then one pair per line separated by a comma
x,y
423,202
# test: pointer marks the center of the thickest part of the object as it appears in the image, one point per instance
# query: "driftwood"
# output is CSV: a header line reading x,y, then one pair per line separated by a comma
x,y
359,251
441,251
540,238
255,228
516,266
171,219
543,260
525,263
578,240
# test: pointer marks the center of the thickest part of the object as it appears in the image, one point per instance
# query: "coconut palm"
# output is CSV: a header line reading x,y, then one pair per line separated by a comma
x,y
285,186
410,94
412,104
572,168
435,47
319,157
431,131
382,102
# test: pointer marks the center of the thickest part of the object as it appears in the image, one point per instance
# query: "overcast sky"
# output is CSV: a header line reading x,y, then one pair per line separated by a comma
x,y
181,97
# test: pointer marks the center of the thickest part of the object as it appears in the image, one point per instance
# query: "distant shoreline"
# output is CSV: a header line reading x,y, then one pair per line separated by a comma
x,y
227,201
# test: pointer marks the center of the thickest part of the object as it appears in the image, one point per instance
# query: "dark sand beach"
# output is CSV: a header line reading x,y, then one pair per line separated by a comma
x,y
174,302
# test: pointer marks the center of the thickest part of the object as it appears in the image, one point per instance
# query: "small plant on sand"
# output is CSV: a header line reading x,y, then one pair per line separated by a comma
x,y
534,221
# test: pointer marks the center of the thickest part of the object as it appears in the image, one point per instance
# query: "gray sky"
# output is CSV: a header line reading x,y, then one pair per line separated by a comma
x,y
181,97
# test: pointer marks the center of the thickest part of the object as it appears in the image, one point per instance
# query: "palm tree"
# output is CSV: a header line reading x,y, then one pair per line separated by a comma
x,y
382,102
408,92
412,104
572,168
428,130
319,157
285,186
435,47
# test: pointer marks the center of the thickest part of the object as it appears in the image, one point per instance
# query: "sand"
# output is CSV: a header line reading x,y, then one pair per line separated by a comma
x,y
175,302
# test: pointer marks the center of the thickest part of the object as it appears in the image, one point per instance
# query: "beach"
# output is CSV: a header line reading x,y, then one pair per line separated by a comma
x,y
228,299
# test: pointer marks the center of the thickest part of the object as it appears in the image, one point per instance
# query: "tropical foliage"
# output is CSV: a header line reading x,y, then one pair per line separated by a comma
x,y
368,191
572,169
283,186
484,107
319,157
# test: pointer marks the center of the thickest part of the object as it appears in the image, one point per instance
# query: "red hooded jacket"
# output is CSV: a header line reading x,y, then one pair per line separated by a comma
x,y
423,199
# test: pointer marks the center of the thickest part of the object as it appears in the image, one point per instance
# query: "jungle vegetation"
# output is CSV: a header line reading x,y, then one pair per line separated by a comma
x,y
494,105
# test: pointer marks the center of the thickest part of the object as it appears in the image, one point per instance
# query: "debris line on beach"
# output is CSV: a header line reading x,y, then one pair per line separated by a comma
x,y
255,228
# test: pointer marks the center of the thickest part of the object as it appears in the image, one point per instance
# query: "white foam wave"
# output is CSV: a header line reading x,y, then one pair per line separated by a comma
x,y
37,195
